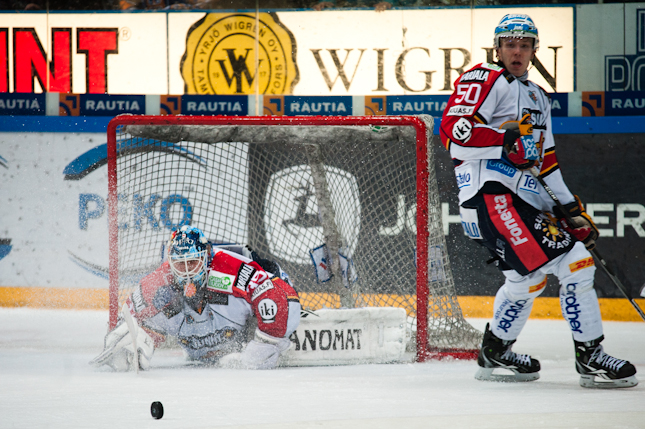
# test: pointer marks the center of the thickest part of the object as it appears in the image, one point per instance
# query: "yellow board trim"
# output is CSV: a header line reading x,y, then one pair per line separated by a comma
x,y
611,309
41,297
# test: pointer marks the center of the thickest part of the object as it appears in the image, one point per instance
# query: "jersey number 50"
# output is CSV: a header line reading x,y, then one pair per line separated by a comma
x,y
469,93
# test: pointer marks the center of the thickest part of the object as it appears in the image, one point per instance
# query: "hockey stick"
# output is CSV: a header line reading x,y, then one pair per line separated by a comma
x,y
133,333
594,252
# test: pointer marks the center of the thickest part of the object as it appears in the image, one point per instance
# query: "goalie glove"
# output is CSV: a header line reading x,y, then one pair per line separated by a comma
x,y
519,146
118,352
260,353
582,226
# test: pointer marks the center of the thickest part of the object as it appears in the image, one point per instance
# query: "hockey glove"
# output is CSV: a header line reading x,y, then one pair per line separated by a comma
x,y
523,126
582,227
520,150
260,353
118,352
519,146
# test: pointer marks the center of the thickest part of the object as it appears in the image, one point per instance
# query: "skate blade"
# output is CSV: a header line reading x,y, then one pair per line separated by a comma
x,y
486,374
593,382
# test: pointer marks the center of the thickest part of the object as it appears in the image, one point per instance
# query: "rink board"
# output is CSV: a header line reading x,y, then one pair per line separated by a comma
x,y
614,309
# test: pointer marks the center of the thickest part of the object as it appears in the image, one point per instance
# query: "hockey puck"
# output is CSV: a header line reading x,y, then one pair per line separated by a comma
x,y
156,409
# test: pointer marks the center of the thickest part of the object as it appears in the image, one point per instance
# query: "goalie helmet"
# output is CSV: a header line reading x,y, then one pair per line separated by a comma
x,y
516,25
188,253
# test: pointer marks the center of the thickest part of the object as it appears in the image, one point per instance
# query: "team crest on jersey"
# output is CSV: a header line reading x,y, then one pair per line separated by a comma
x,y
220,55
532,96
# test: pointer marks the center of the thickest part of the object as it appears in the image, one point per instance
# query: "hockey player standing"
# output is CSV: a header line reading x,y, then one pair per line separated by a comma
x,y
497,127
203,296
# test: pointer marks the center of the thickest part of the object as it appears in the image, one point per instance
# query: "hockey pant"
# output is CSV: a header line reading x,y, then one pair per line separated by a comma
x,y
529,246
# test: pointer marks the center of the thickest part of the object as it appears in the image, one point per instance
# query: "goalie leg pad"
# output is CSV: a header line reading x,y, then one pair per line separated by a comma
x,y
348,337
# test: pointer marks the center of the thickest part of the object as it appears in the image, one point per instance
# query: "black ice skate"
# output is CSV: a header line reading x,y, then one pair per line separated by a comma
x,y
496,354
598,369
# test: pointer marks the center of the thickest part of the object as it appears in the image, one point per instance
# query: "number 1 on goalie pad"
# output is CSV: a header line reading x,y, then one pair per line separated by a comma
x,y
348,336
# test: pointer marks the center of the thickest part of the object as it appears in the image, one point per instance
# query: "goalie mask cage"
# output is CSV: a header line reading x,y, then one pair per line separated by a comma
x,y
348,206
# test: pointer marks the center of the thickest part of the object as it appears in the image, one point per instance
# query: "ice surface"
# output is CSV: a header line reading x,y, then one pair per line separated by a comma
x,y
46,382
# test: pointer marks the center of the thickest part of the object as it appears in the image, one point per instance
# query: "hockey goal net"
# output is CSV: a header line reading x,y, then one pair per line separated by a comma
x,y
348,206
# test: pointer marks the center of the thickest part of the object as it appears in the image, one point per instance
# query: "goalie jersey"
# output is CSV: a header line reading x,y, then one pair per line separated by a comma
x,y
212,323
485,97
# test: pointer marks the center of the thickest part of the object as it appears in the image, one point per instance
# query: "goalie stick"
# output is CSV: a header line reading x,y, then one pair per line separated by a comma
x,y
133,333
594,252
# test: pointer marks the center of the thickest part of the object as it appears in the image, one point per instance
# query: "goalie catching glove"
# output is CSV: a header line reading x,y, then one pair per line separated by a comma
x,y
118,352
581,226
519,147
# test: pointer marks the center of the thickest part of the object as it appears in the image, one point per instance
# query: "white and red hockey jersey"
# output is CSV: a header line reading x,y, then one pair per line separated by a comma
x,y
237,288
485,97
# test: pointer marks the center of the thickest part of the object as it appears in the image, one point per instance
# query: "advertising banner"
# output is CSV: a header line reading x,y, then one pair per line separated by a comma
x,y
303,53
54,212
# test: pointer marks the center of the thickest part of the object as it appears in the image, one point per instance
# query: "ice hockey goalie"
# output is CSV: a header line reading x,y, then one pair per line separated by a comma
x,y
203,295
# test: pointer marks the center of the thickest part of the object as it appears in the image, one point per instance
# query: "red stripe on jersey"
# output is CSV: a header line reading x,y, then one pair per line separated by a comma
x,y
228,264
550,162
225,263
508,223
479,136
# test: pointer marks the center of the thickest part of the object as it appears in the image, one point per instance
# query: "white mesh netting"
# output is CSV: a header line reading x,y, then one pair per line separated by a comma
x,y
297,195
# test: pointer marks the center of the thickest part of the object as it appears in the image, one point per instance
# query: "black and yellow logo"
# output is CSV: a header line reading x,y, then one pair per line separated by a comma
x,y
221,58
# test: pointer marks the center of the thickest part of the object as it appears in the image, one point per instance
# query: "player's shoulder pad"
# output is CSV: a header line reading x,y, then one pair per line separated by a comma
x,y
485,72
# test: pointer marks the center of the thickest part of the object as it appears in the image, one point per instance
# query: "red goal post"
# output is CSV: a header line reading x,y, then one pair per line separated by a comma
x,y
458,338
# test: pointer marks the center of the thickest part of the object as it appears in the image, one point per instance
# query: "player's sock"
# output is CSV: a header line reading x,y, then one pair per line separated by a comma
x,y
497,354
600,370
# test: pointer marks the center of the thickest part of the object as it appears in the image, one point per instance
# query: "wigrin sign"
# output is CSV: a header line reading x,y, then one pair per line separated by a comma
x,y
344,52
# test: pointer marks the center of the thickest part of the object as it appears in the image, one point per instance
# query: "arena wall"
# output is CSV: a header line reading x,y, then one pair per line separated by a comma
x,y
53,228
